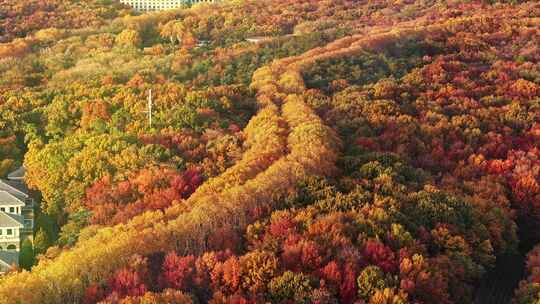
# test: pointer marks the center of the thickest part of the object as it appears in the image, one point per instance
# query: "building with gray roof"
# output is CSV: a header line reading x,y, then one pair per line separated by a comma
x,y
17,175
8,260
16,217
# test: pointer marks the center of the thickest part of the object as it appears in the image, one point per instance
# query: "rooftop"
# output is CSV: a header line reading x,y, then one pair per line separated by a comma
x,y
16,188
7,199
17,174
9,258
11,220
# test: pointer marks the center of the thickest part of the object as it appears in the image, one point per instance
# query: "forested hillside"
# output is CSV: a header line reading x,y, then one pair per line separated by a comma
x,y
300,151
20,18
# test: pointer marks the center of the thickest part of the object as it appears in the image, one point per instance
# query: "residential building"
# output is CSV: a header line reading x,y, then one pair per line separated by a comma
x,y
16,217
8,259
159,5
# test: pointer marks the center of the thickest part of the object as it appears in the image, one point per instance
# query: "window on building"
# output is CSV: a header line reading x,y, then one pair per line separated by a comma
x,y
1,231
29,224
3,209
12,209
10,232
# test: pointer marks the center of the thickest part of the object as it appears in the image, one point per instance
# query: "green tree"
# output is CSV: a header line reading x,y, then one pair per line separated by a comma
x,y
41,242
26,258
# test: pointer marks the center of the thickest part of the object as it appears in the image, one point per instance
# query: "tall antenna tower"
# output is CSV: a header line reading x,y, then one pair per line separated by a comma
x,y
150,107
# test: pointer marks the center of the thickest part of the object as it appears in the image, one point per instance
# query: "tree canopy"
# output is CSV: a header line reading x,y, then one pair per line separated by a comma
x,y
300,151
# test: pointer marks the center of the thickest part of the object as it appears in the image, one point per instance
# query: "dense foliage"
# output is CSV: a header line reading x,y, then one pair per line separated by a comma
x,y
529,288
300,151
21,18
370,236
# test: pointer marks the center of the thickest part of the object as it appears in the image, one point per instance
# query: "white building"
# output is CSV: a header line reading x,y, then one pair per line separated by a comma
x,y
159,5
16,218
11,221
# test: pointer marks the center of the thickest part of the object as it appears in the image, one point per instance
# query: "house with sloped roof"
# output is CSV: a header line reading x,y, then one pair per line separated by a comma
x,y
16,218
10,231
8,260
10,203
17,175
14,187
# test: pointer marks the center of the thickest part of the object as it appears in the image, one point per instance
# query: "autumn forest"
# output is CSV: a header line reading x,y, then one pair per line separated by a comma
x,y
300,151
